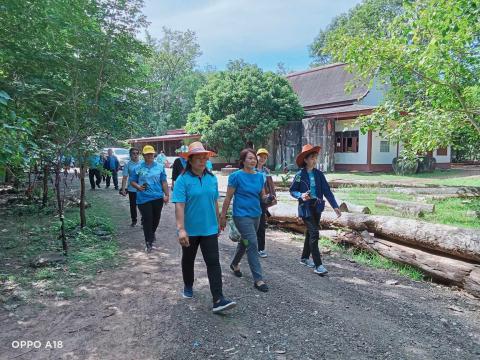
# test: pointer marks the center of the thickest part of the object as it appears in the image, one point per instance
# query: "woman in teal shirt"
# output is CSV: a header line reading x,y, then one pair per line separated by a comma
x,y
196,210
246,185
150,181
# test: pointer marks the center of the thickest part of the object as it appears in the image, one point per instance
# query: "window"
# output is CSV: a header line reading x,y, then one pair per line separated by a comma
x,y
346,141
442,151
385,146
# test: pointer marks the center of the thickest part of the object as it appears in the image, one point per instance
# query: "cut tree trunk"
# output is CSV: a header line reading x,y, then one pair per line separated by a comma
x,y
447,270
459,242
462,243
405,207
441,192
352,208
83,218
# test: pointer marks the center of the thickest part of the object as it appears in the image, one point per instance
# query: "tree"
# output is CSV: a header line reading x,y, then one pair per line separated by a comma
x,y
429,57
172,80
242,106
371,17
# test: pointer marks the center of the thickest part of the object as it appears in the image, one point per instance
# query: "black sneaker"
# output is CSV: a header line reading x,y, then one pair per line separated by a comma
x,y
148,248
134,222
98,185
222,305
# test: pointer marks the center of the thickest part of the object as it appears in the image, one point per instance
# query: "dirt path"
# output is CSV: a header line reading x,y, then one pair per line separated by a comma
x,y
136,311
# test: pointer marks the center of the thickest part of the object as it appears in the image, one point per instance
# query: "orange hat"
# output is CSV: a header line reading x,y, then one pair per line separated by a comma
x,y
306,150
196,148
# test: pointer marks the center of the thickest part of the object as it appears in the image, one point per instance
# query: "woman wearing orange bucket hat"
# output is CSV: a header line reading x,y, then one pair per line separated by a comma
x,y
309,186
150,181
196,209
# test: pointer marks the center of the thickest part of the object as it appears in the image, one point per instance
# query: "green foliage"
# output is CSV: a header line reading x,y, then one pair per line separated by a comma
x,y
242,105
428,55
171,82
370,17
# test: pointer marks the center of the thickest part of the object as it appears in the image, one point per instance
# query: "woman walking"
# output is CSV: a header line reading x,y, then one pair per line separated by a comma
x,y
246,186
127,172
262,156
150,181
196,211
309,186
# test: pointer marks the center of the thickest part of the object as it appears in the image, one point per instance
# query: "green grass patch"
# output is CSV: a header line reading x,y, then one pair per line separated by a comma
x,y
25,236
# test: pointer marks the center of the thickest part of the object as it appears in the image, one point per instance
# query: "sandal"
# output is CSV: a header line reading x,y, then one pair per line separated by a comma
x,y
237,273
262,288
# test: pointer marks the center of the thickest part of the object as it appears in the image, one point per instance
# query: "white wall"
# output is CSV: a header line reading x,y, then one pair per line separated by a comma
x,y
359,157
443,159
382,157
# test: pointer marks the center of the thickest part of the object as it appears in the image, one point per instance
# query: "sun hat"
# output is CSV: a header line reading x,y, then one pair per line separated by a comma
x,y
196,148
148,149
262,151
306,150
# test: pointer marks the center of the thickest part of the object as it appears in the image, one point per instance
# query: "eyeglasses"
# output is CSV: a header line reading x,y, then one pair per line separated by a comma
x,y
135,153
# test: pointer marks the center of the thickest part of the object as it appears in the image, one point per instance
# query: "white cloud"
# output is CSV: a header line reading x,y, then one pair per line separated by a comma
x,y
228,29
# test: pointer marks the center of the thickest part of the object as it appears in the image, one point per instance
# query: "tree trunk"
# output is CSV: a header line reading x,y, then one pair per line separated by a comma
x,y
46,174
458,242
406,207
60,210
467,191
83,218
447,270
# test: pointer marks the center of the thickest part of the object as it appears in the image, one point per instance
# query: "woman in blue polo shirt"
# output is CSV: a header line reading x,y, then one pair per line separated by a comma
x,y
246,185
196,210
150,181
127,172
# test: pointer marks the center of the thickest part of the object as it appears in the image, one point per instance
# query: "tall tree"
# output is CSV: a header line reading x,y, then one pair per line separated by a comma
x,y
242,106
371,17
172,80
429,57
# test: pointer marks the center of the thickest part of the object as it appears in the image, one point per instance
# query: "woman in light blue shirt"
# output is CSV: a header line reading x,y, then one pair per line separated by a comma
x,y
246,186
128,171
150,181
196,210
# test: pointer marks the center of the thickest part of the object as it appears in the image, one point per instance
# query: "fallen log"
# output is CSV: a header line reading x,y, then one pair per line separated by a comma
x,y
352,208
441,192
447,270
405,207
458,242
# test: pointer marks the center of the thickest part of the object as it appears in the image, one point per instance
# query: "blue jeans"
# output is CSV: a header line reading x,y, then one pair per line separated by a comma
x,y
248,226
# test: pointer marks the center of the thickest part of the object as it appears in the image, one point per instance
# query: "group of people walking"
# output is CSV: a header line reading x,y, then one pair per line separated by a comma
x,y
97,163
198,217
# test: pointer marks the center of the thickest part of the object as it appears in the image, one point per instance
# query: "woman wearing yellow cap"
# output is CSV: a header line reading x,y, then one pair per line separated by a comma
x,y
262,156
150,181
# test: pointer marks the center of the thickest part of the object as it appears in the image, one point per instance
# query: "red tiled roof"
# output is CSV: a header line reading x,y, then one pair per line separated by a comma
x,y
171,137
325,87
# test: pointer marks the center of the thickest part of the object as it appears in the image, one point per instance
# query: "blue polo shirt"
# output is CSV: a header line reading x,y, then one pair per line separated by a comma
x,y
200,195
128,170
153,175
93,161
313,187
246,201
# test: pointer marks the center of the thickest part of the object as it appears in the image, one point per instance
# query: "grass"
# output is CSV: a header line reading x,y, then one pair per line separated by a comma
x,y
25,235
452,211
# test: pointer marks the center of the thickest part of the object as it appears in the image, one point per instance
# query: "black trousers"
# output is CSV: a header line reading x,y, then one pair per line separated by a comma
x,y
132,197
92,175
209,247
151,212
115,179
310,246
261,231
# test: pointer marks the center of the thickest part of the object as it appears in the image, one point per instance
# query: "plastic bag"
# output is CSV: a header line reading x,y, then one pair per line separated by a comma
x,y
233,233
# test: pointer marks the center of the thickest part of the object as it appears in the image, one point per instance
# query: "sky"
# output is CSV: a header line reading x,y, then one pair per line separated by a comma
x,y
262,32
